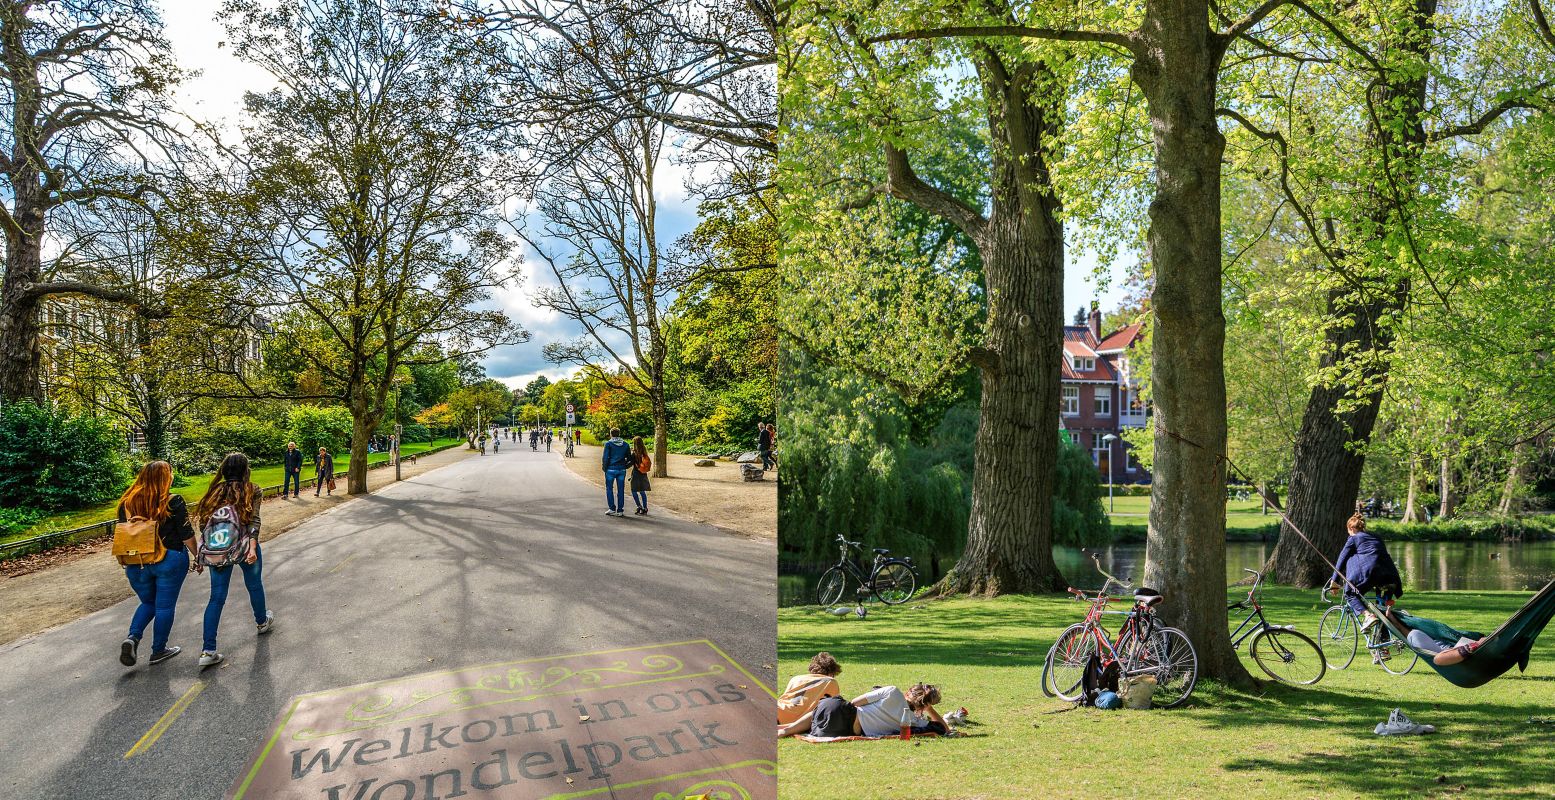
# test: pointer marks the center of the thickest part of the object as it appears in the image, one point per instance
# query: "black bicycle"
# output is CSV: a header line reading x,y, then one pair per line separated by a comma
x,y
891,580
1281,651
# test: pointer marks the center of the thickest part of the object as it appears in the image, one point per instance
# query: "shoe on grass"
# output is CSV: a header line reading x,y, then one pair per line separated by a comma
x,y
1400,725
127,651
157,658
211,658
269,623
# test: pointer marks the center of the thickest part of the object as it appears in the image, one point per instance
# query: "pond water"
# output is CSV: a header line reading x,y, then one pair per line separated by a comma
x,y
1426,566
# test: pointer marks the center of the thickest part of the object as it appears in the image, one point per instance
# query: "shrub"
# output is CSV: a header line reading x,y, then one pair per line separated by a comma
x,y
312,427
16,520
52,460
261,440
194,456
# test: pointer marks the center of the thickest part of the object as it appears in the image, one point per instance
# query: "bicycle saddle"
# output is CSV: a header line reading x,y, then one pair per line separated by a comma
x,y
1147,597
880,551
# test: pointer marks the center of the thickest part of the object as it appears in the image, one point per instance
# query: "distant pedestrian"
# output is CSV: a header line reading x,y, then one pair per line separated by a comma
x,y
229,536
323,472
764,444
292,464
150,507
548,440
616,459
641,465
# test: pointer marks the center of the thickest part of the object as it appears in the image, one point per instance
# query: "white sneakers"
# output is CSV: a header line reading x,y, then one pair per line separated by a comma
x,y
211,659
1400,725
269,623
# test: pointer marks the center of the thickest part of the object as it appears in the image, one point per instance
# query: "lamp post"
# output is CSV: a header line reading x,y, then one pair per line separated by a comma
x,y
1108,440
478,424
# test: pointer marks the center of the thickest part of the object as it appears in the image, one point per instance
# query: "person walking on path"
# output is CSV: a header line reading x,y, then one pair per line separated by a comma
x,y
615,460
292,462
496,445
547,440
157,585
323,472
232,500
641,464
764,444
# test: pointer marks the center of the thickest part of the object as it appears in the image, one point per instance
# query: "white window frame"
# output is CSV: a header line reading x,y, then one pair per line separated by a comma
x,y
1084,363
1101,400
1067,394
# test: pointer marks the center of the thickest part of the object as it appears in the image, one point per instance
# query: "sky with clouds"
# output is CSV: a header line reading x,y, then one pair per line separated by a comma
x,y
216,95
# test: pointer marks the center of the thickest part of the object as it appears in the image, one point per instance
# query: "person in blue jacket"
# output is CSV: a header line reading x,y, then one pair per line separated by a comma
x,y
617,460
1366,565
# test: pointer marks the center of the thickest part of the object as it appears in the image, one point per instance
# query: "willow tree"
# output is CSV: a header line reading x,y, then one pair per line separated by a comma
x,y
86,86
374,182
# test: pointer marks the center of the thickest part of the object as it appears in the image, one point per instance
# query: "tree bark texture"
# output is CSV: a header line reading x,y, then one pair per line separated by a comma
x,y
1185,557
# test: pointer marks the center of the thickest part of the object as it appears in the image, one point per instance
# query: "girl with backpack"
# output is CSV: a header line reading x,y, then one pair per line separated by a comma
x,y
324,472
150,505
229,536
641,463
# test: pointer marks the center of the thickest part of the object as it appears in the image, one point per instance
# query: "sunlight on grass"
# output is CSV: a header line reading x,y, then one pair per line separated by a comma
x,y
1287,742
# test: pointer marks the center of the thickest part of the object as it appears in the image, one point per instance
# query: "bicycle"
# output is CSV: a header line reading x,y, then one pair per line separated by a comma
x,y
1142,648
891,580
1279,650
1339,631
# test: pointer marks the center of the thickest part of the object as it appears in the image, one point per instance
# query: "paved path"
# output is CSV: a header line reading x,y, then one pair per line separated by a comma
x,y
492,559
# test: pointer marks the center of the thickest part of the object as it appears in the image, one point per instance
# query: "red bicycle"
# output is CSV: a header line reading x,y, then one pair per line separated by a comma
x,y
1143,647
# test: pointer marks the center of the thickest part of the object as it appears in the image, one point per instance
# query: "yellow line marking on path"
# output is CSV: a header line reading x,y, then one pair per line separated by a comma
x,y
342,563
166,721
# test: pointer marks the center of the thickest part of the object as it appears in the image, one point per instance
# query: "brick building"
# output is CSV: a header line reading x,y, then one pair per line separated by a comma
x,y
1099,396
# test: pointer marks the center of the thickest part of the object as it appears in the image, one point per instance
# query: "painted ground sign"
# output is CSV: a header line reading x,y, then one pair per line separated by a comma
x,y
664,722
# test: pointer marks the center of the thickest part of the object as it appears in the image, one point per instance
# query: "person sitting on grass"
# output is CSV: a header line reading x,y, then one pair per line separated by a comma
x,y
1367,567
875,713
804,691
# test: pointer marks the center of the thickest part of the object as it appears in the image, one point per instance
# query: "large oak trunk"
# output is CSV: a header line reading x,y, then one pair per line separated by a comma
x,y
661,432
21,354
1009,546
356,474
1185,556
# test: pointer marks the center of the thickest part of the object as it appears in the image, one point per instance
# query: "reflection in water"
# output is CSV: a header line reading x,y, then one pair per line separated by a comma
x,y
1426,566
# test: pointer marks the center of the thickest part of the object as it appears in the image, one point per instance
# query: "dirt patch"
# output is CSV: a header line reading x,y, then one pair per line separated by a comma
x,y
52,588
711,495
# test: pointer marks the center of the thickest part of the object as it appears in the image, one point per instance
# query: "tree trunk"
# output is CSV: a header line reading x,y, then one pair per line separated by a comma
x,y
1271,498
1185,555
1411,510
1009,545
661,432
156,425
356,475
1326,472
1449,504
21,354
1514,479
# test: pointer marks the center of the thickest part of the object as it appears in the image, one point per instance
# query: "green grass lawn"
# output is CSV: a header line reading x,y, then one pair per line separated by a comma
x,y
1286,742
1240,514
272,475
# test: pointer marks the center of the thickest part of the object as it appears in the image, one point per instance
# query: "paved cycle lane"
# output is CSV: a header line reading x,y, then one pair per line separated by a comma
x,y
483,630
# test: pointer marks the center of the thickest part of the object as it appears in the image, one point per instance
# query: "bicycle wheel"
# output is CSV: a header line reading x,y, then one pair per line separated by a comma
x,y
1064,667
894,582
1399,658
833,583
1168,656
1288,656
1339,637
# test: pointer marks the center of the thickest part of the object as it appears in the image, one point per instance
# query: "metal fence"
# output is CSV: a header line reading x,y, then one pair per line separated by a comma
x,y
49,541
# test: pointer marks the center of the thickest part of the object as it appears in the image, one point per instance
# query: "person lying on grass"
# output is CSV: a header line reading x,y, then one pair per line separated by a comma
x,y
875,713
804,691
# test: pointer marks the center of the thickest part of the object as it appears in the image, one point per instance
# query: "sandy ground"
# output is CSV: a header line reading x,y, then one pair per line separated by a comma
x,y
52,589
711,495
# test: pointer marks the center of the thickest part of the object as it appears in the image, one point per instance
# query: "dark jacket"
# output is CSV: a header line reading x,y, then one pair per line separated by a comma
x,y
292,460
617,455
1365,562
176,528
324,464
764,439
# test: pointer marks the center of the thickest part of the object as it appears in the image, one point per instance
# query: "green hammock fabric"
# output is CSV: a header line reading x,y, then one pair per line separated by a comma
x,y
1508,645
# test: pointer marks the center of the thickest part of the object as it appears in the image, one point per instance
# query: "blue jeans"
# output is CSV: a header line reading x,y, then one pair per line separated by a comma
x,y
640,498
157,586
292,482
1356,604
615,479
222,578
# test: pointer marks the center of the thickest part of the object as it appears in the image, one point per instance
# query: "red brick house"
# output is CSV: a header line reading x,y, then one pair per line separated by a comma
x,y
1099,396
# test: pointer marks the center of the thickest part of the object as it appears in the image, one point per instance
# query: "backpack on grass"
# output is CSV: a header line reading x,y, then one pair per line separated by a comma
x,y
223,539
1097,679
137,542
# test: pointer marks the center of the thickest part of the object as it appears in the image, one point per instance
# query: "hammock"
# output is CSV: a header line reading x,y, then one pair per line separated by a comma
x,y
1508,645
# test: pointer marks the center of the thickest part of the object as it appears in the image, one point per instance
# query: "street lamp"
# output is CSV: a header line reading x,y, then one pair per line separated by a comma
x,y
478,423
1108,440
